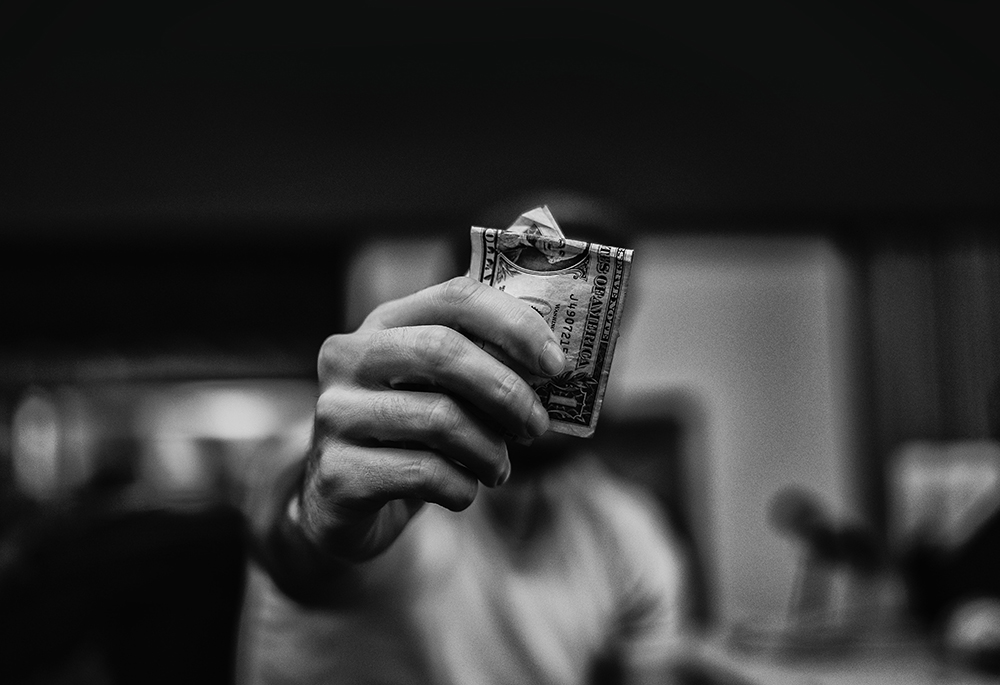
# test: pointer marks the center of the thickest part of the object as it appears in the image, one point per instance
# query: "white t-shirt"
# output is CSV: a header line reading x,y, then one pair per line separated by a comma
x,y
452,601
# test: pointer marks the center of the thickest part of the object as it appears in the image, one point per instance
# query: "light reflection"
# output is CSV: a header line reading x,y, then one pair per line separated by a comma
x,y
35,448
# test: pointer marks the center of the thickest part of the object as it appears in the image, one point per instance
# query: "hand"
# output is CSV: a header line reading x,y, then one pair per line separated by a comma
x,y
412,410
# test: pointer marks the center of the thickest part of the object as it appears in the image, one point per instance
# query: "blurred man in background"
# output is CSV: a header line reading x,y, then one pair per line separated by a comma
x,y
554,573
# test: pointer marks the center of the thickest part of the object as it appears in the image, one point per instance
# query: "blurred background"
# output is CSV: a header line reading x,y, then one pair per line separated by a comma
x,y
194,195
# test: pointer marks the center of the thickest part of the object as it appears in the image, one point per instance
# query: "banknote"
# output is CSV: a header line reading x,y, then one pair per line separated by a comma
x,y
578,288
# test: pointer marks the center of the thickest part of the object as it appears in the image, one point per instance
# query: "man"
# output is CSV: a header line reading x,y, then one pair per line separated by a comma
x,y
552,572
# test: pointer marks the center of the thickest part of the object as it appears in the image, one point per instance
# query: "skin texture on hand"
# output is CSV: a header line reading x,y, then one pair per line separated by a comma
x,y
413,409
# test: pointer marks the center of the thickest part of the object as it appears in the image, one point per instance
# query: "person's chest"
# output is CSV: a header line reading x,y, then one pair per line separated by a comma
x,y
488,612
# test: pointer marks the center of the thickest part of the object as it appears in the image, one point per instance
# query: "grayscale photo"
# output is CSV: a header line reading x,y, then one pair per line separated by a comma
x,y
498,343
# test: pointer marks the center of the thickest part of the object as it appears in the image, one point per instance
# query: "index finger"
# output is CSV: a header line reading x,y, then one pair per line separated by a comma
x,y
480,312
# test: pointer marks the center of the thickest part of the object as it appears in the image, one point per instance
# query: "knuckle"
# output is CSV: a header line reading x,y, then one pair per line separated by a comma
x,y
436,474
509,389
340,413
440,345
436,481
459,290
327,410
379,341
443,418
331,356
379,346
426,474
385,410
437,337
326,465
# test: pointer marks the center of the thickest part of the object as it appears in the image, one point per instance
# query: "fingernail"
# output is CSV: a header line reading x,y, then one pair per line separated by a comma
x,y
539,421
505,476
552,360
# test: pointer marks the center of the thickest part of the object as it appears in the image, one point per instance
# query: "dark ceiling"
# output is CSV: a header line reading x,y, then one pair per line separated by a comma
x,y
182,115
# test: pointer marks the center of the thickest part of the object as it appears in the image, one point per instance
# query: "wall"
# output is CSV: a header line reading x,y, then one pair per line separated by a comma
x,y
753,336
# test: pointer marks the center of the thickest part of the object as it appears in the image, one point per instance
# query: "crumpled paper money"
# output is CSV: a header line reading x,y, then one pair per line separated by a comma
x,y
578,288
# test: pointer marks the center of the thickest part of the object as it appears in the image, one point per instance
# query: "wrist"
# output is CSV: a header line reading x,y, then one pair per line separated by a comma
x,y
296,564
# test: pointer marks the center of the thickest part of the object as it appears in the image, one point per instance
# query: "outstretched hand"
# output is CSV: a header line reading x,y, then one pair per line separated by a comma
x,y
412,409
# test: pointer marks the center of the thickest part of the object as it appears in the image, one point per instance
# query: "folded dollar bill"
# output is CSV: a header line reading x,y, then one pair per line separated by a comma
x,y
578,288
